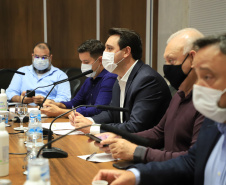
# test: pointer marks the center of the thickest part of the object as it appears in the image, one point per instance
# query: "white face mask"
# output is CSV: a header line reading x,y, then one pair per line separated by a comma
x,y
206,101
41,64
108,61
87,67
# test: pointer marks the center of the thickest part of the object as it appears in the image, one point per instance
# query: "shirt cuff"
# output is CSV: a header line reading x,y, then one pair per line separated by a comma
x,y
136,172
94,129
139,154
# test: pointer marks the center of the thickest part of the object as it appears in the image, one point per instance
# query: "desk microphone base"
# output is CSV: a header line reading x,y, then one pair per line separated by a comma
x,y
54,153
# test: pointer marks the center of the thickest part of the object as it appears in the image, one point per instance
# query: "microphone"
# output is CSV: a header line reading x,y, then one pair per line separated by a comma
x,y
52,141
51,152
13,71
105,107
62,81
126,135
73,77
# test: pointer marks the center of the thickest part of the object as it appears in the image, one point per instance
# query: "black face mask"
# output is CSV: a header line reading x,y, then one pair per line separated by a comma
x,y
174,74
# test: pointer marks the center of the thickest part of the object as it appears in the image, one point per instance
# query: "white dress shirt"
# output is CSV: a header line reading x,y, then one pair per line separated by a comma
x,y
122,84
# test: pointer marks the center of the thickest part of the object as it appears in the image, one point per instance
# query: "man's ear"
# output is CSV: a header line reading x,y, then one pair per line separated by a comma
x,y
127,51
51,57
100,59
192,54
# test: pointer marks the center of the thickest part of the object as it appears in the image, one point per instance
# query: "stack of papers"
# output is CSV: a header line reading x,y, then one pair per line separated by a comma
x,y
61,128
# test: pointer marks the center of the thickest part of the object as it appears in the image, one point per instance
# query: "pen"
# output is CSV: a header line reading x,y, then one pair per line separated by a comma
x,y
73,110
89,157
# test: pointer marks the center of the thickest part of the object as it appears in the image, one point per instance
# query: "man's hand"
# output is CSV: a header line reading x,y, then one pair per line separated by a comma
x,y
116,177
51,110
38,99
120,148
103,136
26,99
78,120
48,101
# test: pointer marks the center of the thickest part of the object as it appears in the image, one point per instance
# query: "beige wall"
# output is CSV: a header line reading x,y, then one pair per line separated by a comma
x,y
173,16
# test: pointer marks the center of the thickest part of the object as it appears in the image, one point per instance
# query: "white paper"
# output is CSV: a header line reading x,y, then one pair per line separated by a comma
x,y
61,128
101,157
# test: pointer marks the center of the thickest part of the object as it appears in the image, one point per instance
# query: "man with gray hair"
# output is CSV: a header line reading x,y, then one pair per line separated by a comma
x,y
178,129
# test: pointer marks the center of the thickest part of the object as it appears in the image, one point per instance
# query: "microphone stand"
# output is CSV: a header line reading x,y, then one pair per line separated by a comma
x,y
52,141
51,152
13,71
46,97
62,81
34,90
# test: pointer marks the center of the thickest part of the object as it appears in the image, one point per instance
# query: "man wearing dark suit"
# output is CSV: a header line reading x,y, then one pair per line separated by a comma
x,y
205,162
139,87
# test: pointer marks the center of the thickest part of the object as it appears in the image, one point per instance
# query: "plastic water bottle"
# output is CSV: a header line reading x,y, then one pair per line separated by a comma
x,y
34,177
3,101
4,151
43,165
35,132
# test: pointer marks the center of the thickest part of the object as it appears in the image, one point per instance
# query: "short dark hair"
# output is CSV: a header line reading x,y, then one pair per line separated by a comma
x,y
40,45
219,40
94,47
128,38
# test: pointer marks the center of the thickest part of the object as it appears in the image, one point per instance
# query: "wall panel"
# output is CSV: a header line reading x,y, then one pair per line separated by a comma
x,y
69,23
123,13
21,27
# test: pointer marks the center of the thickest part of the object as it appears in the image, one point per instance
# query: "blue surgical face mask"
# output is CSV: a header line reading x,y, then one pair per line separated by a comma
x,y
41,64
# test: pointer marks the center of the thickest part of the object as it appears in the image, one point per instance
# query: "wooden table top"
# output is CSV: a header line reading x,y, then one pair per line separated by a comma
x,y
65,171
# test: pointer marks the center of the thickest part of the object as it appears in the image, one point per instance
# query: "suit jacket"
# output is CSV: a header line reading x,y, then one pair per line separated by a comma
x,y
146,95
187,169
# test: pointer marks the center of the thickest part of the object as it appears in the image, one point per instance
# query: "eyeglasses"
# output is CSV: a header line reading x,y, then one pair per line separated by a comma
x,y
42,57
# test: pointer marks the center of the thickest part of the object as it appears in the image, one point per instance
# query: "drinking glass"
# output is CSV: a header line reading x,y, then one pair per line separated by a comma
x,y
21,110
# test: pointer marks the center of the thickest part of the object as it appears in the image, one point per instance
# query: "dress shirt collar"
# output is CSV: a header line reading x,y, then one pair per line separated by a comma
x,y
222,128
52,69
102,73
126,75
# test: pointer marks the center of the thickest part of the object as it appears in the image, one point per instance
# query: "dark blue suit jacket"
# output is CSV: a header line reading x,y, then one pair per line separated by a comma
x,y
187,169
146,95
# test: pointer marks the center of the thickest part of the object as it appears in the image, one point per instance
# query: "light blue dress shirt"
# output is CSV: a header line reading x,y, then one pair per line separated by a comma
x,y
30,81
215,170
136,172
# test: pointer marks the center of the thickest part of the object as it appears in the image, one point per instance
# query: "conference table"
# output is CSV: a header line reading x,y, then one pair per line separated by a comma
x,y
65,171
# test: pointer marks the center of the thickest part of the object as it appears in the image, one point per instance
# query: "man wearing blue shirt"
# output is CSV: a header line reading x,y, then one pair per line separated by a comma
x,y
40,73
96,90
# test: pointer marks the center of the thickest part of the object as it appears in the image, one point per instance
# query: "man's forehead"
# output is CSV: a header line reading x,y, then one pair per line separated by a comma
x,y
39,50
173,49
113,40
210,58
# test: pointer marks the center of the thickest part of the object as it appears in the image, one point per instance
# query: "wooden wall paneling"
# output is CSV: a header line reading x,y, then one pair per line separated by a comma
x,y
125,14
21,27
69,23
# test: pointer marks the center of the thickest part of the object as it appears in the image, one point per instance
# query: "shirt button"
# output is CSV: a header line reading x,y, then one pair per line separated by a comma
x,y
219,173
